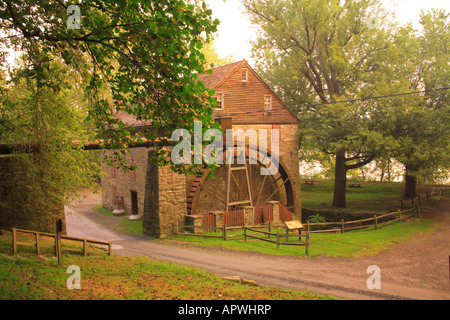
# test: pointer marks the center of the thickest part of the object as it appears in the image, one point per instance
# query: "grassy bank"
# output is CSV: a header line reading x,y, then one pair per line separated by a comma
x,y
371,197
122,278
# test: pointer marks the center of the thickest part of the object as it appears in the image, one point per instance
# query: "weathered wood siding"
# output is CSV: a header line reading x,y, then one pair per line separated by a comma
x,y
241,97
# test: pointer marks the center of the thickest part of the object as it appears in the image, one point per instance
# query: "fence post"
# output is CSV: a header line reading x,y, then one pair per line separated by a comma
x,y
376,221
269,230
56,245
342,225
14,242
84,248
307,224
245,234
58,241
38,251
224,232
307,243
278,239
400,216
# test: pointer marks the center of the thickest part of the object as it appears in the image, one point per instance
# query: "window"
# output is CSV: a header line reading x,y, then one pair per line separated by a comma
x,y
267,103
244,75
219,98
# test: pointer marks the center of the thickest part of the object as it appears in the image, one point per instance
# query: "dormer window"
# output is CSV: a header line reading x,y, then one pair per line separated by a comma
x,y
267,103
244,75
219,98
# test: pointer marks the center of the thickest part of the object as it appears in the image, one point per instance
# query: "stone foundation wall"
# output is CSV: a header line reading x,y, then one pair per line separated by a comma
x,y
18,203
165,201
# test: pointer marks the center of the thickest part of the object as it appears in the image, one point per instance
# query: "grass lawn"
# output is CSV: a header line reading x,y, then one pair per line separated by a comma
x,y
124,224
121,278
350,244
370,197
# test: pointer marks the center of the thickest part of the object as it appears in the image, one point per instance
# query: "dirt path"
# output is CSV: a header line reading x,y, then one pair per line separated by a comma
x,y
417,269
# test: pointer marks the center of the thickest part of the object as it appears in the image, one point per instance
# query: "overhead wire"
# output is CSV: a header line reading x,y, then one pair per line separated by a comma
x,y
336,102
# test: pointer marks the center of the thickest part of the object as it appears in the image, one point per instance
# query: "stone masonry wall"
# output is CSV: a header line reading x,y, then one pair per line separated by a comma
x,y
165,201
17,209
122,183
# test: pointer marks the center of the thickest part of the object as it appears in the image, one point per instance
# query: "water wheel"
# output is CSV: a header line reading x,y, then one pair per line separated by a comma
x,y
232,187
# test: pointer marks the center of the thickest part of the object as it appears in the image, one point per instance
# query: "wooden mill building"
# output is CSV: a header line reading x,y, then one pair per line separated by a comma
x,y
237,194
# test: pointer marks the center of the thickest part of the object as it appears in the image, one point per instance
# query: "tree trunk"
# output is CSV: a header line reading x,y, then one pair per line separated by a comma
x,y
340,180
410,185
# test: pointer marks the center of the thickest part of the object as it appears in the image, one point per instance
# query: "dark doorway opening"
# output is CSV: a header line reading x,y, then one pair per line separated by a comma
x,y
134,203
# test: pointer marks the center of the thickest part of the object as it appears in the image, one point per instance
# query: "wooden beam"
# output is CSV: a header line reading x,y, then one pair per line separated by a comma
x,y
212,193
278,188
34,147
260,190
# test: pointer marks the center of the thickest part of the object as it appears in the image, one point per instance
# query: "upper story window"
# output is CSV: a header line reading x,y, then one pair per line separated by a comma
x,y
267,103
219,98
244,75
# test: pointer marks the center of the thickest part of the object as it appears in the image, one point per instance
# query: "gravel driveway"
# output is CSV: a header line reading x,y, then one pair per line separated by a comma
x,y
416,269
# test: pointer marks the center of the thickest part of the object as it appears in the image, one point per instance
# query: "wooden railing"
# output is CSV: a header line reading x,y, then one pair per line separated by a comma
x,y
278,237
377,221
39,235
419,200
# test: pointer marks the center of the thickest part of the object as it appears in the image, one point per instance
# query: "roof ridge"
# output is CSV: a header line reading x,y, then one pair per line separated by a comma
x,y
215,76
227,65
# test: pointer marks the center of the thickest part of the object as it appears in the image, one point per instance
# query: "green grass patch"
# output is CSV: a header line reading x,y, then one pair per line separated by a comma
x,y
350,244
370,197
123,278
123,224
104,211
368,241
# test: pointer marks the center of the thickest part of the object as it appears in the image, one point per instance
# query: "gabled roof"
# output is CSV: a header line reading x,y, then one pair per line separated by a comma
x,y
219,75
213,81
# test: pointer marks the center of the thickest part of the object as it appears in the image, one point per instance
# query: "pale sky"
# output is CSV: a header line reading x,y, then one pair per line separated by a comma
x,y
235,30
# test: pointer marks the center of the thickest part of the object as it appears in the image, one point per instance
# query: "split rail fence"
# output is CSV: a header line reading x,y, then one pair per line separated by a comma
x,y
258,235
234,220
224,235
377,221
419,200
38,236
